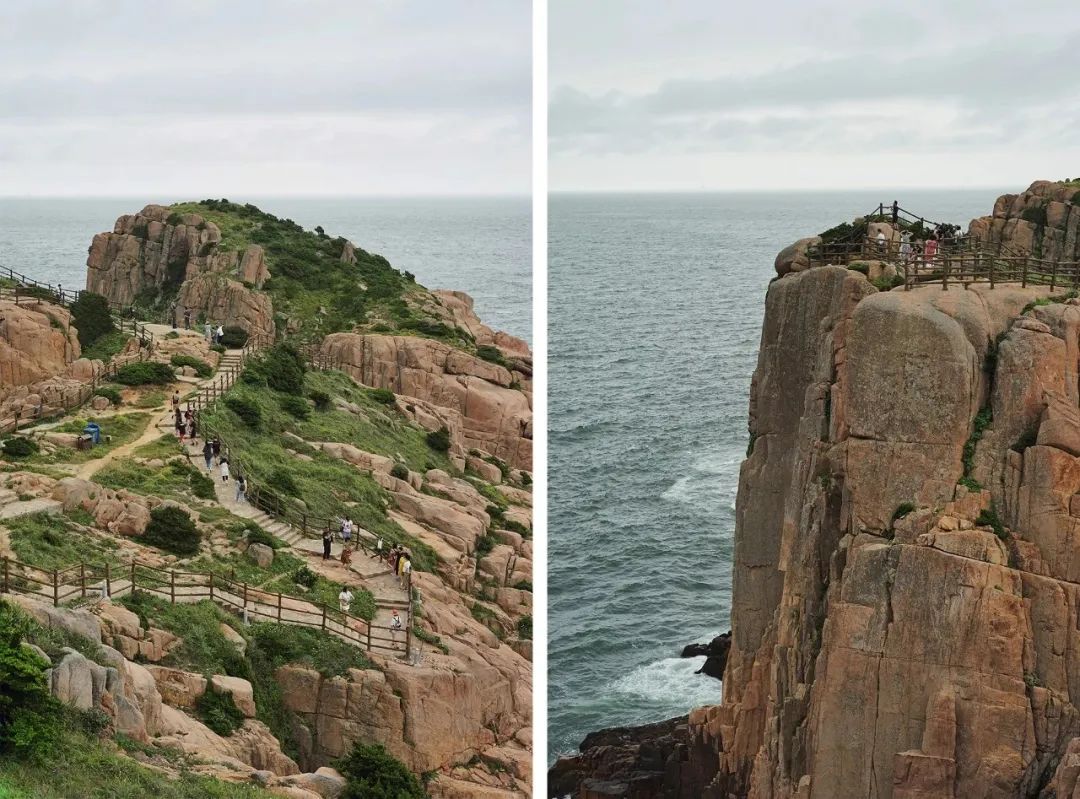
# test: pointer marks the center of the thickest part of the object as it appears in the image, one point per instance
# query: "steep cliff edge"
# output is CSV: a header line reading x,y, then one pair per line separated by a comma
x,y
906,600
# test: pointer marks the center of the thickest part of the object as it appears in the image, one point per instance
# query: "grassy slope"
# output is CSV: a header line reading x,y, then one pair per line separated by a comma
x,y
328,487
122,428
310,282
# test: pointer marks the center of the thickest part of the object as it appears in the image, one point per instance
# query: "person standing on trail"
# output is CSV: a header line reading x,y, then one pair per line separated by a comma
x,y
187,319
378,548
930,250
209,332
219,334
905,246
215,447
346,556
345,599
176,401
208,455
224,470
881,241
346,530
172,315
327,542
406,570
192,429
241,487
395,626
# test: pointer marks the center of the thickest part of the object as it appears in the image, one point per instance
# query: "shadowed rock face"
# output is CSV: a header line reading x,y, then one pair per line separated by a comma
x,y
158,250
895,633
475,399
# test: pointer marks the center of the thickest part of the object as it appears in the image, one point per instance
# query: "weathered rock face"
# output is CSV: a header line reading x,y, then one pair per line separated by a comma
x,y
473,397
158,250
918,656
37,342
1043,221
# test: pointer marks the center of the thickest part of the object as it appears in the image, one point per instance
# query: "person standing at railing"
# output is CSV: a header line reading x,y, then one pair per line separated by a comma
x,y
180,427
930,250
208,455
346,530
215,448
327,543
219,334
395,626
406,570
172,315
905,247
187,319
241,487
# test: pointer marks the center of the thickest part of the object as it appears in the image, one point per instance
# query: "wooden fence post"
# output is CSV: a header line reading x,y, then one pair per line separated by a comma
x,y
279,607
82,579
1024,275
172,586
1053,274
369,635
108,581
55,588
211,586
324,618
132,577
7,577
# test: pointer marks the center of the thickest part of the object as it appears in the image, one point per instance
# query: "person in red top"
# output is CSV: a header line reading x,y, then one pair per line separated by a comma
x,y
930,250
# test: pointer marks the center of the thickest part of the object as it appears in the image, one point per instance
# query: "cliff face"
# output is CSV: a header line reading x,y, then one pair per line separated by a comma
x,y
906,598
159,250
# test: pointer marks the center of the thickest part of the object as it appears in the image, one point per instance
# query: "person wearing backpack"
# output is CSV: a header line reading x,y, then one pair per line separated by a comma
x,y
327,542
208,455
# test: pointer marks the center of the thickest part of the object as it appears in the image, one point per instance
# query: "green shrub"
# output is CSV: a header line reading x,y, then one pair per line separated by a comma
x,y
283,367
111,393
970,483
524,628
305,577
217,348
492,354
294,405
253,377
321,399
218,711
439,440
248,410
201,367
517,527
861,267
280,480
383,395
91,317
989,518
234,337
256,535
373,773
523,585
484,545
24,693
172,529
1035,214
19,447
983,419
201,485
144,373
400,471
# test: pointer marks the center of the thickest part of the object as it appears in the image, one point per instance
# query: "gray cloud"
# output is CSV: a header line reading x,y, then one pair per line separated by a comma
x,y
397,97
672,92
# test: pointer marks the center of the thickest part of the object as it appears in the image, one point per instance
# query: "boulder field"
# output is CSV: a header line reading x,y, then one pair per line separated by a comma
x,y
906,587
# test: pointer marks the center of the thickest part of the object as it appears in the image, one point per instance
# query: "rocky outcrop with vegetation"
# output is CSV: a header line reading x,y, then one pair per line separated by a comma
x,y
904,601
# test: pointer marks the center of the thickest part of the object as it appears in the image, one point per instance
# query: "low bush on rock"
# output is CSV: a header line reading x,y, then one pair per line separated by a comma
x,y
233,337
524,628
294,406
383,395
111,393
373,773
321,399
439,440
25,701
19,447
400,471
172,529
144,373
218,711
91,317
201,367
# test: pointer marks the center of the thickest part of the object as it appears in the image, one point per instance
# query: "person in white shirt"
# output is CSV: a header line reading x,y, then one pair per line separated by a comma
x,y
881,240
224,471
345,599
395,625
219,333
406,570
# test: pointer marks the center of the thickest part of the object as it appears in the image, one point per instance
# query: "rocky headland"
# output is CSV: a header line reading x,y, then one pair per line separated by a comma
x,y
904,610
412,417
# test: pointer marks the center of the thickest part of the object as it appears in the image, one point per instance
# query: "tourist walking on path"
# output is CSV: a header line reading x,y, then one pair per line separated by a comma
x,y
345,599
187,319
191,427
172,315
179,424
395,626
215,446
209,332
406,570
219,334
346,556
208,455
176,401
241,488
224,470
346,530
327,542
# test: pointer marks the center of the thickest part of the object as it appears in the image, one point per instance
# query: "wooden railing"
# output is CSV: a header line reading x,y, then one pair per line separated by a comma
x,y
962,260
83,581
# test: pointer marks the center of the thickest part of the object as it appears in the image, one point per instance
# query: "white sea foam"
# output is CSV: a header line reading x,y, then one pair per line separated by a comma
x,y
672,681
711,478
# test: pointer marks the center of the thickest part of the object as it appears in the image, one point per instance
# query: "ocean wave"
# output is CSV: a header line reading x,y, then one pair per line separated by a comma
x,y
671,681
711,479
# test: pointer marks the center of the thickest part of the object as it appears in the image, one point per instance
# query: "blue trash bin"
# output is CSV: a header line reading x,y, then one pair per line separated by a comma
x,y
93,431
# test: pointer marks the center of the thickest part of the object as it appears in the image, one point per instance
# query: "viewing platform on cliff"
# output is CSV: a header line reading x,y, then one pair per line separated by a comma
x,y
953,259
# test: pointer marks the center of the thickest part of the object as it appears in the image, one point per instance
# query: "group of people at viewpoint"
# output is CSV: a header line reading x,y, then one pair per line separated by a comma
x,y
214,333
397,557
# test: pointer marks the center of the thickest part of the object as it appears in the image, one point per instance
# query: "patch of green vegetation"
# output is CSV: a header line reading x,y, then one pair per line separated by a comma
x,y
246,409
141,373
888,283
983,419
107,346
294,405
430,638
989,518
862,267
18,447
524,628
1035,214
173,530
201,367
373,773
116,431
439,440
523,585
219,712
491,354
233,337
177,480
970,483
165,447
486,616
383,395
151,399
49,541
308,646
111,393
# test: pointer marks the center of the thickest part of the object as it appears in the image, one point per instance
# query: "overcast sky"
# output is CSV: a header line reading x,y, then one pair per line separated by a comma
x,y
265,97
701,94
